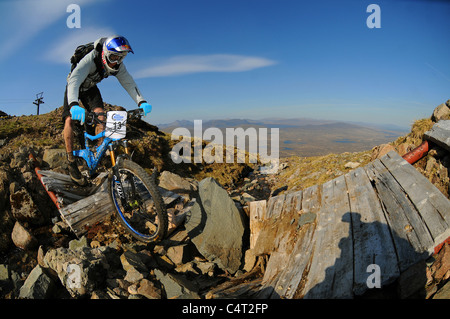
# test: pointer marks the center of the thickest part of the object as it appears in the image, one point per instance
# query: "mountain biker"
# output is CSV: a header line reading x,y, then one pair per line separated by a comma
x,y
104,60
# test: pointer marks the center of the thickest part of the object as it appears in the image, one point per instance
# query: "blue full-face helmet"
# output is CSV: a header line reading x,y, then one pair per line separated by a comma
x,y
115,49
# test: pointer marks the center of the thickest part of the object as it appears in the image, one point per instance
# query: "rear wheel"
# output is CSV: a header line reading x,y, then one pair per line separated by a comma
x,y
142,211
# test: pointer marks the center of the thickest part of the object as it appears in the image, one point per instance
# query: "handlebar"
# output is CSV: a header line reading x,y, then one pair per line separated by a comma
x,y
92,117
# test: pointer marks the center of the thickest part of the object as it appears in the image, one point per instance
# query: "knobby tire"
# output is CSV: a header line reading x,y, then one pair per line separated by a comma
x,y
128,167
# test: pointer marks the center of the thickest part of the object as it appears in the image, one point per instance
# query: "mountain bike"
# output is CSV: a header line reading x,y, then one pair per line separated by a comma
x,y
136,198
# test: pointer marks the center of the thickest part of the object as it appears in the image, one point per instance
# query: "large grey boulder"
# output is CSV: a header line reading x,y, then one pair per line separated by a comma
x,y
216,226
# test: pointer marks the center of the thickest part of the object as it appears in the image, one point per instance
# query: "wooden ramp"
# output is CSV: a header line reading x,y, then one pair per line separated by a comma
x,y
82,207
326,241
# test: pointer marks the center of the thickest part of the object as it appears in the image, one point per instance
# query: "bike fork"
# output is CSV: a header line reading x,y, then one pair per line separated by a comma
x,y
117,182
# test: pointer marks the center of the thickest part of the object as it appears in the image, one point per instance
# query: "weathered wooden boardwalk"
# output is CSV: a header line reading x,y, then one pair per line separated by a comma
x,y
325,241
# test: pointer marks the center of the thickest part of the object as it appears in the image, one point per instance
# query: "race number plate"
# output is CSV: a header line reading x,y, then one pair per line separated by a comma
x,y
116,127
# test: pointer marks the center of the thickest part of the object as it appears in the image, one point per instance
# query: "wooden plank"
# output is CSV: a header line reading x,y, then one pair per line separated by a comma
x,y
87,212
57,176
411,237
372,241
285,269
285,235
440,134
432,205
288,283
257,217
275,206
331,272
266,241
63,184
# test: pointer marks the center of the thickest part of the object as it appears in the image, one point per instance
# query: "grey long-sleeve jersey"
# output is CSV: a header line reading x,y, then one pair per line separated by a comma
x,y
85,76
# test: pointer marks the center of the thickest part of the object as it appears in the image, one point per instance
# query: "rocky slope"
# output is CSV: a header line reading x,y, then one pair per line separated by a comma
x,y
41,258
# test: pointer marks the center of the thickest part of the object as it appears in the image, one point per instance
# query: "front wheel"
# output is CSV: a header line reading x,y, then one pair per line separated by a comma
x,y
139,205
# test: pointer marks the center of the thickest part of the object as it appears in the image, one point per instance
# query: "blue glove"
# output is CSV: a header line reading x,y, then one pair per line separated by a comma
x,y
146,107
78,113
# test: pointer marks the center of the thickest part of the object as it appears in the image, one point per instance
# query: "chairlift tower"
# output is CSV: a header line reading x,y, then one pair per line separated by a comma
x,y
39,101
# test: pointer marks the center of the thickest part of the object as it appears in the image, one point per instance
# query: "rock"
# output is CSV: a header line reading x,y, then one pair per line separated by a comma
x,y
132,289
19,159
381,150
4,272
38,285
22,237
4,182
352,165
404,148
444,292
133,275
250,260
278,191
441,266
176,286
23,207
40,256
78,244
442,112
55,158
431,164
247,198
188,268
81,271
216,227
176,183
180,254
98,294
60,226
164,262
207,268
148,289
133,265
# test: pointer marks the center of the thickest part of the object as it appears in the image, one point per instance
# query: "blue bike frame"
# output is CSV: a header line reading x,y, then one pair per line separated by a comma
x,y
92,160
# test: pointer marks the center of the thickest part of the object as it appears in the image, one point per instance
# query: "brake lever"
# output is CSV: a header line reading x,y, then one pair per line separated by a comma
x,y
136,113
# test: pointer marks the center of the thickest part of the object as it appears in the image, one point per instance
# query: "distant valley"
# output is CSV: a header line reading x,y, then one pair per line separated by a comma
x,y
308,137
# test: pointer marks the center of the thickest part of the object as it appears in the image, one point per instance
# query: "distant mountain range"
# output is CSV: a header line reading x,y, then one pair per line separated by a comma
x,y
308,137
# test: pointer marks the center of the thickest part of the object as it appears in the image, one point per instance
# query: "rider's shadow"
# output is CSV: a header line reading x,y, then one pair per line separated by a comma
x,y
410,284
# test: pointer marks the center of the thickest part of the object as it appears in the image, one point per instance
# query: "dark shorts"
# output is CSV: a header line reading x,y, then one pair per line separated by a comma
x,y
91,99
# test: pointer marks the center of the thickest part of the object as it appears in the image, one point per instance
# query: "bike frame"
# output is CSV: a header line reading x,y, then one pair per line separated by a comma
x,y
92,160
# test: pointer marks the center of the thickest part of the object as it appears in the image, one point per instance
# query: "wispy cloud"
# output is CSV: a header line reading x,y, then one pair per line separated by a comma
x,y
186,64
28,18
437,71
64,48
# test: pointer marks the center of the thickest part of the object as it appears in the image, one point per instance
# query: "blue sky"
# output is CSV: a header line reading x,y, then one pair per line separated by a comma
x,y
205,59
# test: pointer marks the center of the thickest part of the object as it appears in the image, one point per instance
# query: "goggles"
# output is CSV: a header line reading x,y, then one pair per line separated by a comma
x,y
116,58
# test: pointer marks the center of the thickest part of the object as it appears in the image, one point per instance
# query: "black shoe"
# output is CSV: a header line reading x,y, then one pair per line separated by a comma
x,y
75,174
